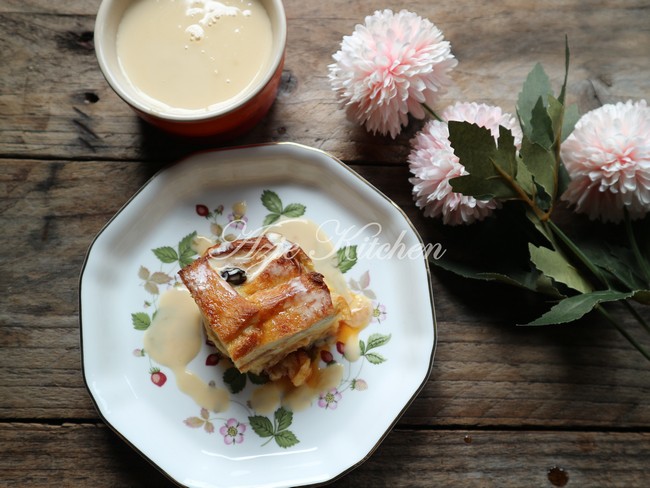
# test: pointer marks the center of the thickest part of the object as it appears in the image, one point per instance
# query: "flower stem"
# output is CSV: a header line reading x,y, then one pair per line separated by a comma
x,y
578,253
637,316
601,277
623,332
432,113
643,264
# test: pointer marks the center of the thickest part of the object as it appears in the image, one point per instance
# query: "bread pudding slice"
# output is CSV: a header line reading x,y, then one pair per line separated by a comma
x,y
261,300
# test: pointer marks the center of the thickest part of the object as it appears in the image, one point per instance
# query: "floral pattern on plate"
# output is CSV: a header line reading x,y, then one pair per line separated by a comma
x,y
235,427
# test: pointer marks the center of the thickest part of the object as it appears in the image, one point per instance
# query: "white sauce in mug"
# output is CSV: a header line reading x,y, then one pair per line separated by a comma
x,y
187,56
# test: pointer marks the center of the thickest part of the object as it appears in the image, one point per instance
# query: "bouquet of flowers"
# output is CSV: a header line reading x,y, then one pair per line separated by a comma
x,y
503,181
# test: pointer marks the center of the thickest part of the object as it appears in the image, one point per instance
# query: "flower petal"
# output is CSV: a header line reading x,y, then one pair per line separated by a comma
x,y
608,160
388,67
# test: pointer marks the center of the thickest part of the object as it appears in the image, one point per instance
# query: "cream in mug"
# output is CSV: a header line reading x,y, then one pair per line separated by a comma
x,y
186,56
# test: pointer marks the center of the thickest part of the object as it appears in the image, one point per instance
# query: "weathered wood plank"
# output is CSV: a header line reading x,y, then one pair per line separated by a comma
x,y
487,371
51,7
503,406
91,455
54,102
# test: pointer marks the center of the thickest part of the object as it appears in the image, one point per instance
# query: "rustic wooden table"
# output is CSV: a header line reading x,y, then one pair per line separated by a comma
x,y
504,406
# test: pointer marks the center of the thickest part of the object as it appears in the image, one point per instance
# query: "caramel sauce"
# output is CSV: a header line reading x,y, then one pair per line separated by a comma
x,y
174,338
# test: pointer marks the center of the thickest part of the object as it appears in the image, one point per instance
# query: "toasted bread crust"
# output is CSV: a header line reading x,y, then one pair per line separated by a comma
x,y
218,301
282,307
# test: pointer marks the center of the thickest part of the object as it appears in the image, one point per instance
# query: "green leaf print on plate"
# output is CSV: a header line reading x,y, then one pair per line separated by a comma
x,y
223,226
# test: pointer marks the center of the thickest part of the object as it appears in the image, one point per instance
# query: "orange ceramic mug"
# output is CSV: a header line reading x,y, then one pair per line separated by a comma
x,y
225,119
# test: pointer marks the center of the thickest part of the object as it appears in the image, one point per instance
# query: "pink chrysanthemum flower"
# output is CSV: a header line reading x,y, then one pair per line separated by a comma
x,y
608,159
433,163
389,67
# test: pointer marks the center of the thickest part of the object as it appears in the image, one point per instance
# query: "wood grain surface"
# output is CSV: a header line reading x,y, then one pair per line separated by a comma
x,y
504,406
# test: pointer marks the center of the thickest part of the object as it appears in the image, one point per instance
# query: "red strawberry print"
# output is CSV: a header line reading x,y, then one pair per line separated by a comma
x,y
202,210
158,378
212,359
340,347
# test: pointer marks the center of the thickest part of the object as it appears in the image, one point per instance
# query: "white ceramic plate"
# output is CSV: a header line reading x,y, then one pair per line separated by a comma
x,y
123,278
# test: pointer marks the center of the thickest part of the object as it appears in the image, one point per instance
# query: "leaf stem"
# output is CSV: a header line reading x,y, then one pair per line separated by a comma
x,y
623,332
269,440
542,216
432,112
643,264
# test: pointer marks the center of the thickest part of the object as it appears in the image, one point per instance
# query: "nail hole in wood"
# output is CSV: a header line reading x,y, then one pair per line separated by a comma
x,y
90,97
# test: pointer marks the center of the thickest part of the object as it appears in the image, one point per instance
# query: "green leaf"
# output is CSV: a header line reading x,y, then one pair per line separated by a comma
x,y
541,131
294,210
362,347
525,178
272,201
617,261
468,270
140,320
374,358
567,57
271,218
261,426
642,296
506,154
503,254
641,230
555,266
185,252
283,418
563,179
286,439
540,162
478,153
571,117
472,144
556,113
235,379
575,307
537,86
166,254
258,379
377,340
186,259
347,258
185,245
